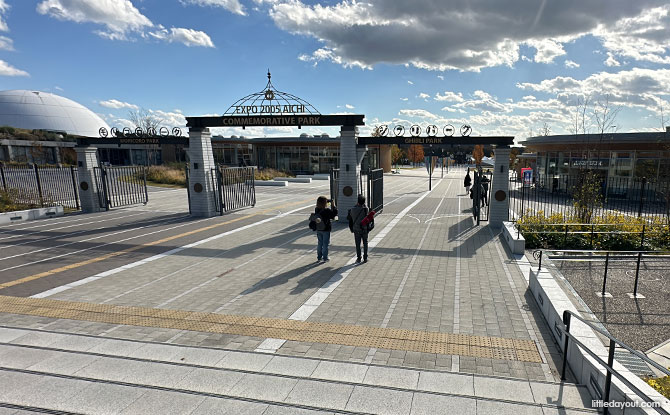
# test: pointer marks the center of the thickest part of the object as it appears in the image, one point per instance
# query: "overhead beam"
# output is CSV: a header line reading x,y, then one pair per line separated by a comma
x,y
276,121
438,141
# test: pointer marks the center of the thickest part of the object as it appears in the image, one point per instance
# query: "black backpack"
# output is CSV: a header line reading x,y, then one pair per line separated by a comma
x,y
316,222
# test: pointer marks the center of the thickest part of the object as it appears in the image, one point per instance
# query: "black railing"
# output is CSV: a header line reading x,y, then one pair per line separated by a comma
x,y
235,188
121,185
637,197
607,256
375,190
41,186
609,365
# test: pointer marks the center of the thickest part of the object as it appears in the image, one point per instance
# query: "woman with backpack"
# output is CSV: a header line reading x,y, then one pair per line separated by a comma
x,y
321,218
467,182
359,223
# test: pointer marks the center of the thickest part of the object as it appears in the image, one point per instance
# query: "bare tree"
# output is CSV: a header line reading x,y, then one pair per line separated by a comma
x,y
146,120
662,119
545,130
579,117
604,115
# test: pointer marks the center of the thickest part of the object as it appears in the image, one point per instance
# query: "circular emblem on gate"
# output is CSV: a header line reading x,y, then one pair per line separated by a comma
x,y
399,131
138,131
103,132
114,131
164,131
83,185
382,130
176,131
415,130
126,131
348,191
197,187
465,130
500,195
431,130
269,95
448,130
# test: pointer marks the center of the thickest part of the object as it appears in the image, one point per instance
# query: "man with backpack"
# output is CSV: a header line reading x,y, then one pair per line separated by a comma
x,y
319,221
361,222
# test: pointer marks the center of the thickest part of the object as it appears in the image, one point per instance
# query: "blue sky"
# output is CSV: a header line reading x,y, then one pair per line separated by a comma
x,y
506,68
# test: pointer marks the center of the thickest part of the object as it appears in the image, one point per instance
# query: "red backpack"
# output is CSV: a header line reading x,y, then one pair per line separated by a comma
x,y
369,221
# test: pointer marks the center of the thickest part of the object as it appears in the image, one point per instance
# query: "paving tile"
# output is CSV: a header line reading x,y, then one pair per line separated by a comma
x,y
264,387
7,334
345,372
387,376
104,398
288,410
513,390
446,383
210,380
561,395
164,403
156,374
115,347
39,338
77,343
11,382
244,361
17,357
291,366
379,401
429,404
320,394
216,406
49,392
109,368
198,356
154,351
64,363
485,407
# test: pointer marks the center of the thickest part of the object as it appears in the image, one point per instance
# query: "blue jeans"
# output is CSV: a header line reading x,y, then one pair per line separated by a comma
x,y
323,238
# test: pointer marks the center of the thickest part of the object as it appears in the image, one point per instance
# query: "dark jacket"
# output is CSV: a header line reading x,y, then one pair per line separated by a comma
x,y
467,181
356,215
327,215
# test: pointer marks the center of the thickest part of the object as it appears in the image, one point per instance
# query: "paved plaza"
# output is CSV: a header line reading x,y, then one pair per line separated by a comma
x,y
142,308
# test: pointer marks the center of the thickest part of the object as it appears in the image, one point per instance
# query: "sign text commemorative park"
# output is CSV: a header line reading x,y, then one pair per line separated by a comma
x,y
295,120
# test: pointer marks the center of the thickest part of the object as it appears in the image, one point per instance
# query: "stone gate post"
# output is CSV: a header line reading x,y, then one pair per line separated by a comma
x,y
350,168
202,186
87,161
499,203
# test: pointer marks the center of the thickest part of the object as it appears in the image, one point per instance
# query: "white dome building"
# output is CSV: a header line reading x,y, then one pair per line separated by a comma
x,y
35,110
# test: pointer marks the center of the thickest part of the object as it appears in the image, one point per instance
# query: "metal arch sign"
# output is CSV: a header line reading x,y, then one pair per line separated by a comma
x,y
438,141
415,130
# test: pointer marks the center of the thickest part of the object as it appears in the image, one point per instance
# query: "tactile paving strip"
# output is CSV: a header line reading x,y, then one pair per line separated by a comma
x,y
263,327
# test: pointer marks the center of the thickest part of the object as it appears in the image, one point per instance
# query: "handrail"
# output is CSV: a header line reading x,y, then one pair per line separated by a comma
x,y
609,365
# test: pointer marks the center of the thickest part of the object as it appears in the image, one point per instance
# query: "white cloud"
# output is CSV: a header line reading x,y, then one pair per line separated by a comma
x,y
483,101
449,96
8,70
121,20
440,77
424,96
547,49
611,60
410,82
404,99
486,33
643,37
6,43
233,6
116,104
349,107
4,7
188,37
419,113
57,88
571,64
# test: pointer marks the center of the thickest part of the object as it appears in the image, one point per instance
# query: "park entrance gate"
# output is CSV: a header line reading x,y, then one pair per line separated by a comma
x,y
235,188
121,185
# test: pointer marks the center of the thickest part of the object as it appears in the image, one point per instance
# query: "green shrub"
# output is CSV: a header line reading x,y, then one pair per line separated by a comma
x,y
269,174
10,201
662,385
166,175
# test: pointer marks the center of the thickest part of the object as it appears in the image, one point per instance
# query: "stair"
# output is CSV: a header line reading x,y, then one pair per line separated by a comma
x,y
71,373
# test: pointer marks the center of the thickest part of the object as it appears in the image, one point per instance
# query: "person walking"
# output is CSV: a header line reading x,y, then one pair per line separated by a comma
x,y
467,182
323,214
485,190
355,216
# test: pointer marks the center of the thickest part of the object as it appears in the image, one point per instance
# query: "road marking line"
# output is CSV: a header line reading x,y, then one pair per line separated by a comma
x,y
167,253
137,247
303,312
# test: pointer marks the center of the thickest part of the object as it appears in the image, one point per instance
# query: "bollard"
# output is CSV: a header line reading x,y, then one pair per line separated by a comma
x,y
637,273
642,236
608,378
566,321
607,261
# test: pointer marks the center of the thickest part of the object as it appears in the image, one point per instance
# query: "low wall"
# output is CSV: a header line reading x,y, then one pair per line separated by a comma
x,y
294,179
314,176
552,300
30,214
515,241
270,183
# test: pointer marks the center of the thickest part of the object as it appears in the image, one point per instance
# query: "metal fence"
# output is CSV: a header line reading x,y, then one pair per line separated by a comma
x,y
636,197
41,186
375,190
235,188
121,186
334,184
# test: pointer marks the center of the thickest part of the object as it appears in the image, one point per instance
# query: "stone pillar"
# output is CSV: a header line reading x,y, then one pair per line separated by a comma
x,y
89,194
385,158
350,169
499,203
202,198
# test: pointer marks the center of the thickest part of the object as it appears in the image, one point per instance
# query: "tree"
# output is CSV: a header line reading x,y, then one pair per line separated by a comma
x,y
478,154
513,154
587,195
145,119
415,153
396,154
579,117
604,115
545,130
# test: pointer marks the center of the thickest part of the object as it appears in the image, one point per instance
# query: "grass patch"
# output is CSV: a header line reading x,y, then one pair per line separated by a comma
x,y
662,385
10,201
270,174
